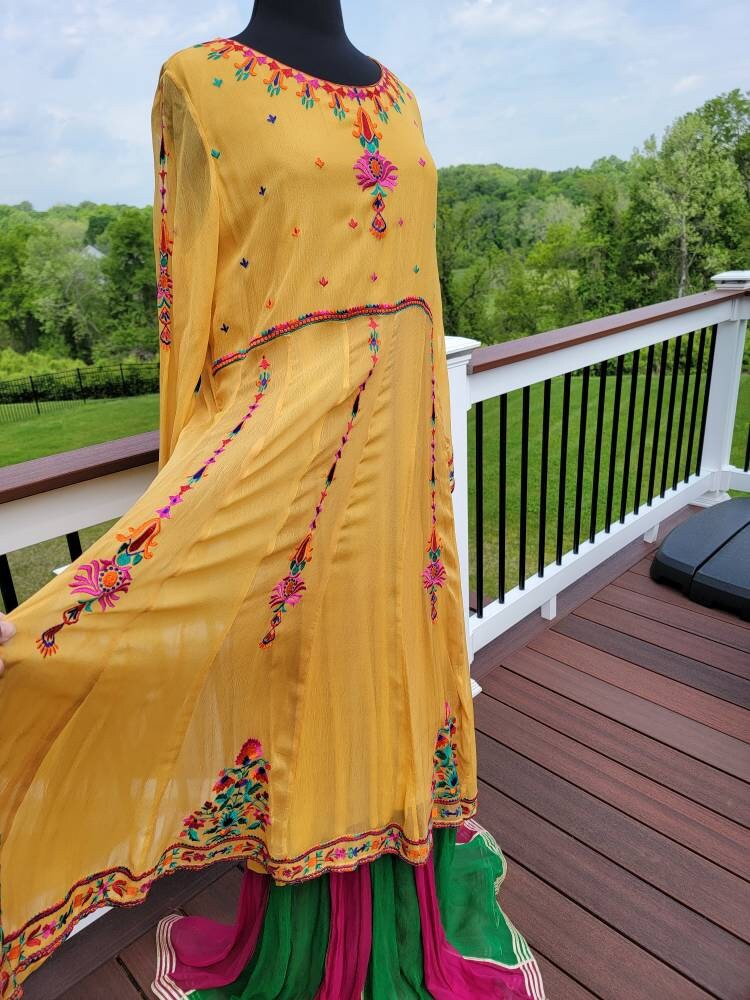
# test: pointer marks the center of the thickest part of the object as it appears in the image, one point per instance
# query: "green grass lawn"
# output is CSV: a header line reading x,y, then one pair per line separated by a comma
x,y
75,425
94,422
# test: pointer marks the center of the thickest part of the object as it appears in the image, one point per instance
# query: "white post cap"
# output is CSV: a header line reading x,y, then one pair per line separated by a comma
x,y
732,279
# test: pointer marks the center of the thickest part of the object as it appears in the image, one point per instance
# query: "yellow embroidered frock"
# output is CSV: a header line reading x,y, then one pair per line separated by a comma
x,y
282,607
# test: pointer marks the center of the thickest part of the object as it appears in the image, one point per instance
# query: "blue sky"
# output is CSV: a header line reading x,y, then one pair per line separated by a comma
x,y
548,85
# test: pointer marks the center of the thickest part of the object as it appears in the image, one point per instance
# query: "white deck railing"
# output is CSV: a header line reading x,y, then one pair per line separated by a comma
x,y
479,374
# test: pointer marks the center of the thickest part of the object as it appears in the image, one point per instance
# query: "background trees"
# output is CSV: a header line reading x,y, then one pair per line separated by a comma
x,y
519,250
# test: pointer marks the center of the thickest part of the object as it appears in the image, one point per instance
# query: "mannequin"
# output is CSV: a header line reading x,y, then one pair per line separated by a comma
x,y
309,37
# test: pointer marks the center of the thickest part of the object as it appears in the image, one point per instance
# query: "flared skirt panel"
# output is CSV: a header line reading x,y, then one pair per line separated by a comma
x,y
263,658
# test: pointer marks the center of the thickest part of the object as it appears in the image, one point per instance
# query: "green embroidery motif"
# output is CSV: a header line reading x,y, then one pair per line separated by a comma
x,y
240,802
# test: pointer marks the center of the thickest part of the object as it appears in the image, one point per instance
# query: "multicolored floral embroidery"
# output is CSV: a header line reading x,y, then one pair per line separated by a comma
x,y
240,802
240,792
164,282
288,591
433,576
103,581
451,474
318,316
446,788
373,172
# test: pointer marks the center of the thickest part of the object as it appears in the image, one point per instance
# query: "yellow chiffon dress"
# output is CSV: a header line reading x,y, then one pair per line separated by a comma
x,y
280,612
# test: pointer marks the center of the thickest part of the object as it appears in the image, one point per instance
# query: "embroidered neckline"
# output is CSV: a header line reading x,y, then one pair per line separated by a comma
x,y
301,76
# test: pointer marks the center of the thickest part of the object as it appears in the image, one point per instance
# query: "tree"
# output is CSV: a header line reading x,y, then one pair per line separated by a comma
x,y
687,202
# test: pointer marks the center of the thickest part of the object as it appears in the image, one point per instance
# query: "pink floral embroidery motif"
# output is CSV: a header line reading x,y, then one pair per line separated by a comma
x,y
289,590
433,576
373,171
103,581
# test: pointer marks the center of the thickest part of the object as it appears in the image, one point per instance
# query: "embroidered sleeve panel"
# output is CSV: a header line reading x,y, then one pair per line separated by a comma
x,y
186,233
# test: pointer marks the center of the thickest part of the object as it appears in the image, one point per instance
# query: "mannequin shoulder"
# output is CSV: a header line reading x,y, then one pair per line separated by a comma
x,y
188,66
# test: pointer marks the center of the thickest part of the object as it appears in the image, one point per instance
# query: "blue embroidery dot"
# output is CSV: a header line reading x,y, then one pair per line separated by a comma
x,y
216,153
262,190
244,262
271,119
416,268
225,328
218,81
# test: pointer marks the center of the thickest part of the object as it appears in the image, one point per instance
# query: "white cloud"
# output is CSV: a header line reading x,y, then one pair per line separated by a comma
x,y
587,20
687,83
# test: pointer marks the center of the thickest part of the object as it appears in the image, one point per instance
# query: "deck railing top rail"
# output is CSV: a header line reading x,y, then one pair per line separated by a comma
x,y
40,475
512,351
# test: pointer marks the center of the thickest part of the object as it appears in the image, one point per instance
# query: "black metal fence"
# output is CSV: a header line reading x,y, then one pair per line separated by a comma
x,y
21,398
554,463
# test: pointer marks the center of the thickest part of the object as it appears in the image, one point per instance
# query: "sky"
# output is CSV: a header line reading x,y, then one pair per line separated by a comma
x,y
550,85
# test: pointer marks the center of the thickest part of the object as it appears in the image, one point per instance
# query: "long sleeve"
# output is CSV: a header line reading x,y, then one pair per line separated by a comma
x,y
186,232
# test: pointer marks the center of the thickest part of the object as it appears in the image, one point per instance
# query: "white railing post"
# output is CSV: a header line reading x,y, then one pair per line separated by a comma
x,y
458,352
725,386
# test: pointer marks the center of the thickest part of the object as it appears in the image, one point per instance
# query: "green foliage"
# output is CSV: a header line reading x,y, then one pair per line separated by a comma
x,y
519,250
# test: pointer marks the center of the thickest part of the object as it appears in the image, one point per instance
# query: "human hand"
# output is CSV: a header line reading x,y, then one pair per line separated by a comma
x,y
7,631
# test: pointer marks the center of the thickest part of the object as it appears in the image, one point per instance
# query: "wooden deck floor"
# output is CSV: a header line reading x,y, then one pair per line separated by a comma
x,y
613,761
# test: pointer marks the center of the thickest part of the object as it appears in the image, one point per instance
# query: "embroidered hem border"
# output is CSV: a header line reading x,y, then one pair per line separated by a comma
x,y
119,887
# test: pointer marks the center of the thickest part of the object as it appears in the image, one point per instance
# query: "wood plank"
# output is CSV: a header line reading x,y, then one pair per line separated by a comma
x,y
680,668
93,946
110,982
682,939
607,963
659,633
220,900
661,592
673,614
557,984
713,837
643,567
687,701
690,777
676,871
715,748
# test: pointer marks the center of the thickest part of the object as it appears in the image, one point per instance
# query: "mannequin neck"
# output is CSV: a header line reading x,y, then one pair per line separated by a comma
x,y
310,37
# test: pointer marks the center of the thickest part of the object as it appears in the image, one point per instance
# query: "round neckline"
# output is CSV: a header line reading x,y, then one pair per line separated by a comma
x,y
293,70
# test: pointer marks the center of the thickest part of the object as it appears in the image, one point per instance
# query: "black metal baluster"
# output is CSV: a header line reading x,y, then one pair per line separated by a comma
x,y
563,468
479,501
670,414
543,478
683,408
74,545
694,405
644,430
7,590
613,443
502,503
706,394
598,448
581,458
657,420
629,433
525,393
